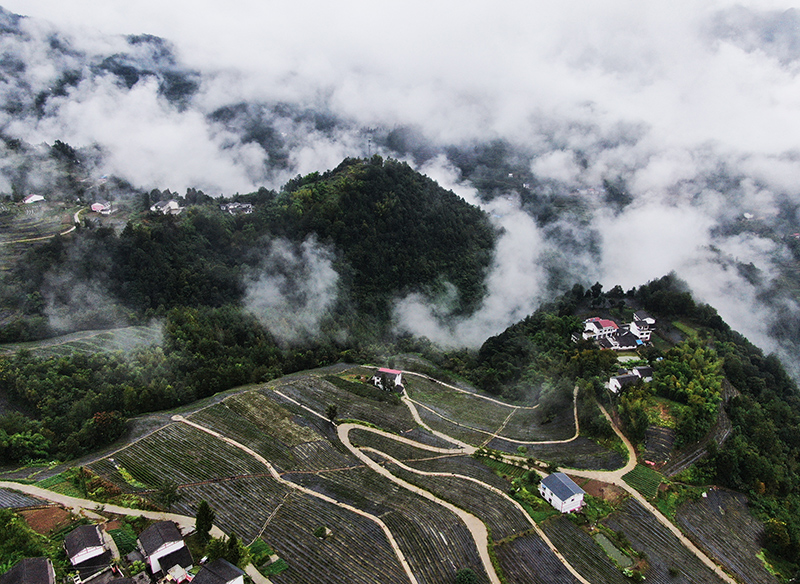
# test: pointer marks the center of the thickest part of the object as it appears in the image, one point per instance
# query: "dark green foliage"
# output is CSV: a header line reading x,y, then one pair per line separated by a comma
x,y
331,412
167,494
466,576
204,520
17,540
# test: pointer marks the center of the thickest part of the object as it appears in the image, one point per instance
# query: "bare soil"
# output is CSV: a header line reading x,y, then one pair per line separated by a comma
x,y
606,491
44,521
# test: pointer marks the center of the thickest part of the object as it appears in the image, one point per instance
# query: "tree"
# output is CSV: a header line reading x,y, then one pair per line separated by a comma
x,y
204,520
466,576
168,494
331,412
234,554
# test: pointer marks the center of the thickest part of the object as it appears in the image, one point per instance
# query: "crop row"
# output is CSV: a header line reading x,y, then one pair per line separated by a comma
x,y
222,419
455,405
356,551
527,425
528,559
722,524
579,453
664,551
644,479
433,540
185,454
499,513
453,429
320,455
317,394
581,550
14,499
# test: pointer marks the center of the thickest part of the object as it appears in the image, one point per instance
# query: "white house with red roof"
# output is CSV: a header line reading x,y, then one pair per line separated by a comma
x,y
599,328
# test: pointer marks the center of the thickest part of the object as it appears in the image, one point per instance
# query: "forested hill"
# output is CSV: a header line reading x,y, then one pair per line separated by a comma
x,y
398,231
700,366
388,230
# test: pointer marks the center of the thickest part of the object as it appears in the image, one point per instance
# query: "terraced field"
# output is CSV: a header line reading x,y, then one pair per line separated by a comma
x,y
316,394
527,559
721,524
434,541
89,342
19,223
662,548
355,552
581,550
16,500
581,453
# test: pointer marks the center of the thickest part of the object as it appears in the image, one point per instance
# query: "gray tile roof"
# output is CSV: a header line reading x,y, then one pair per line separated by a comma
x,y
81,538
219,571
158,534
30,571
562,486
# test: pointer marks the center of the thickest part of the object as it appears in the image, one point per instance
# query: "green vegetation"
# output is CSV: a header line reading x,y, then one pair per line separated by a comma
x,y
363,389
645,480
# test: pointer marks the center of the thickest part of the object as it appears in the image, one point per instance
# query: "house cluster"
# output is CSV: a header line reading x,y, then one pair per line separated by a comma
x,y
627,337
561,492
102,207
170,207
388,380
624,378
92,553
237,208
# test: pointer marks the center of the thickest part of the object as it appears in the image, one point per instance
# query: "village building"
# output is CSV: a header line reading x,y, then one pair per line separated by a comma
x,y
644,373
616,383
102,207
561,492
599,328
86,551
163,548
32,199
170,207
30,571
219,571
237,208
390,378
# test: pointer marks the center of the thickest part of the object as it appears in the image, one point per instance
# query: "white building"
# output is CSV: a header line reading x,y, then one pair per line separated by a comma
x,y
163,547
394,377
170,207
561,492
599,328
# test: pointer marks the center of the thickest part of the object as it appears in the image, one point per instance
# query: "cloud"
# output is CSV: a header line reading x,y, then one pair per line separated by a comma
x,y
293,290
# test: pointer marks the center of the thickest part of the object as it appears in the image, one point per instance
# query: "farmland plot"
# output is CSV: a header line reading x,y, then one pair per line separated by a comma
x,y
355,552
527,425
722,525
425,460
461,407
581,453
185,455
434,541
221,418
453,429
663,549
581,550
527,559
316,394
15,500
658,443
500,515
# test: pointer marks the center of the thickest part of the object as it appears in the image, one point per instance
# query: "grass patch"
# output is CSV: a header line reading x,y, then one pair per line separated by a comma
x,y
62,483
645,480
125,538
503,469
685,328
260,554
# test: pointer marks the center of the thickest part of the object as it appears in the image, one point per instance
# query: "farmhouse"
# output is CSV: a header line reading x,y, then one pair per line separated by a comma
x,y
388,380
86,550
102,207
237,208
170,207
219,571
645,373
599,328
561,492
30,571
32,199
163,548
616,383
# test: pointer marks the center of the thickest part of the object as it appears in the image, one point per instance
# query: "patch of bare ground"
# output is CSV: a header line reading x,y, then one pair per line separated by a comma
x,y
44,521
606,491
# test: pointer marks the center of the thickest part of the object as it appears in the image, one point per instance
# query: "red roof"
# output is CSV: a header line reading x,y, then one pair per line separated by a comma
x,y
390,371
605,323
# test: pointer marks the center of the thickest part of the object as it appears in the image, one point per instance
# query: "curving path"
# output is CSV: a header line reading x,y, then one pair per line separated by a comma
x,y
398,552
